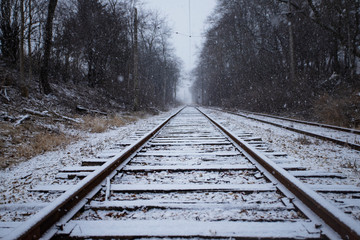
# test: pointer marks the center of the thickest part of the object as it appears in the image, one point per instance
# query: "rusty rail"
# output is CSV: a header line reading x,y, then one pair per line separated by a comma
x,y
339,142
349,130
346,227
335,223
41,222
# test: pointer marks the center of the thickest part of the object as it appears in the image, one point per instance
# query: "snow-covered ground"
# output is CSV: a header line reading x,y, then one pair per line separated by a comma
x,y
17,180
331,133
313,153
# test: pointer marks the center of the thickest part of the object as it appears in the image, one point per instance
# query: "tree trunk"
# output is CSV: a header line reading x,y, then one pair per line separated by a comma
x,y
174,91
291,50
44,72
29,40
165,78
335,65
135,71
67,65
24,89
9,37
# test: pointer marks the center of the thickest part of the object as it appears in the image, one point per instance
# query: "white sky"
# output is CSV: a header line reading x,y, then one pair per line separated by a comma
x,y
186,48
177,13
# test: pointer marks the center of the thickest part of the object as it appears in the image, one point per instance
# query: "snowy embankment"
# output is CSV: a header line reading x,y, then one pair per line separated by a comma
x,y
312,153
18,179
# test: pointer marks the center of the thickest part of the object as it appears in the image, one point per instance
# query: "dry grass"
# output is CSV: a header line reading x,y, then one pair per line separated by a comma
x,y
32,138
99,124
42,143
93,124
28,140
341,111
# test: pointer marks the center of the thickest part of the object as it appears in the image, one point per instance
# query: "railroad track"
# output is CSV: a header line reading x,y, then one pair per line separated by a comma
x,y
347,137
191,178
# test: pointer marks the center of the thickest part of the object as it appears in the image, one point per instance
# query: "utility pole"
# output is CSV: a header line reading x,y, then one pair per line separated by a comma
x,y
136,60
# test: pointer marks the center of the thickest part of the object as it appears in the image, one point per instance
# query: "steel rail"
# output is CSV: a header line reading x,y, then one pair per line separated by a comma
x,y
36,226
343,129
339,142
338,221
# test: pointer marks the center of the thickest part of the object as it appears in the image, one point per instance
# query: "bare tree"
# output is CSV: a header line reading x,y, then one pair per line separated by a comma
x,y
9,36
96,42
256,58
136,62
29,38
44,82
24,89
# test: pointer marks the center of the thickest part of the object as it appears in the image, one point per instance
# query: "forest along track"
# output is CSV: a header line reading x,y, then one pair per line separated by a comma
x,y
192,179
347,137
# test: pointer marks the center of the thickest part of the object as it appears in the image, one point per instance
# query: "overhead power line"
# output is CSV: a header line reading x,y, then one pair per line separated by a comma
x,y
190,33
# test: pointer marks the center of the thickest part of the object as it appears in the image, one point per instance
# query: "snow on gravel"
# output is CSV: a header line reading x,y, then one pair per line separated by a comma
x,y
310,152
331,133
313,153
17,180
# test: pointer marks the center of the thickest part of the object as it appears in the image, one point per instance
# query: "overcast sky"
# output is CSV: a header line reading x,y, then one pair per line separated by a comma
x,y
177,12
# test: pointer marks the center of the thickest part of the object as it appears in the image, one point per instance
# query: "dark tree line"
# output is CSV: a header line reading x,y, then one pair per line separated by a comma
x,y
279,54
90,42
